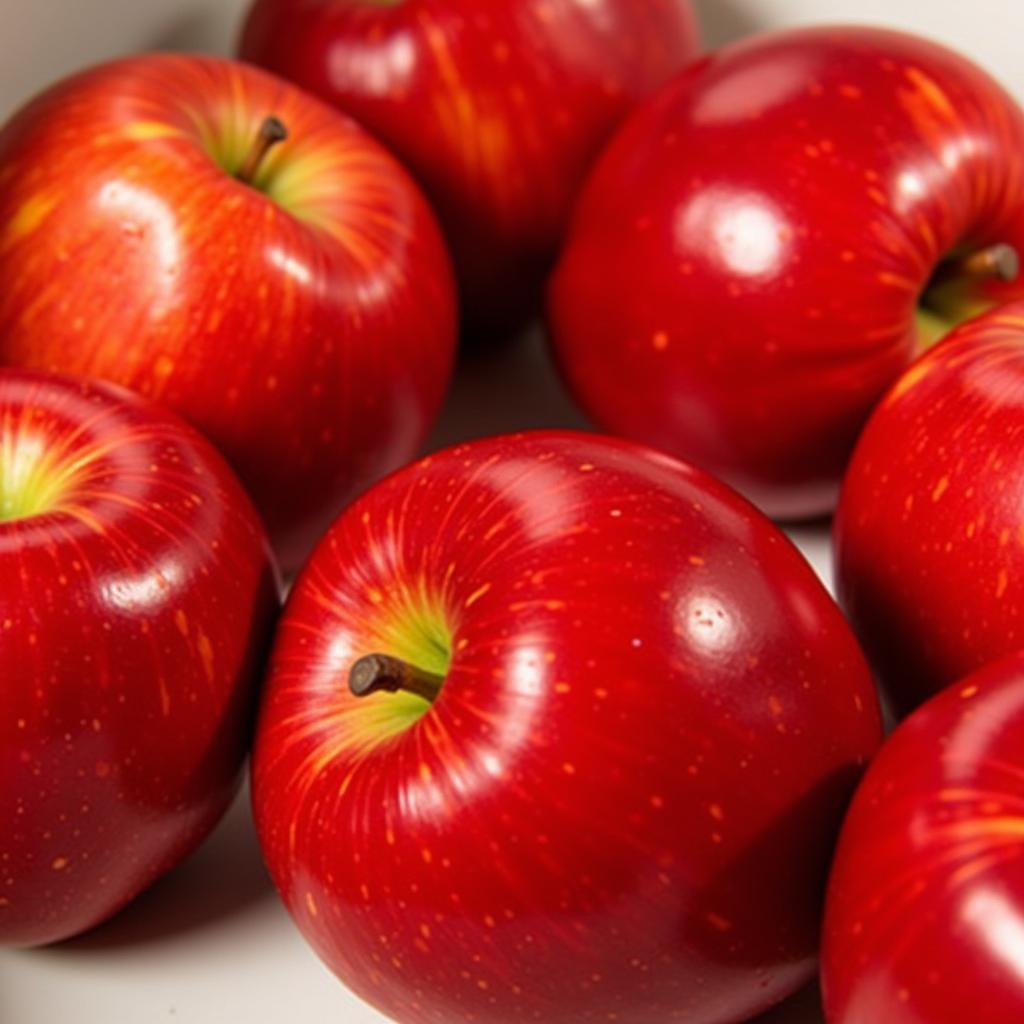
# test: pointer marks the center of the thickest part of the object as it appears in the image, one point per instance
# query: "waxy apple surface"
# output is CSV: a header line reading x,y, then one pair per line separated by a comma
x,y
622,802
499,109
740,282
136,598
305,323
928,542
926,900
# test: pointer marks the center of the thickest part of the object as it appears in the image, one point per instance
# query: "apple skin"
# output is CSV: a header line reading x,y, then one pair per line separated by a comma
x,y
306,326
739,284
135,610
927,537
499,109
623,800
926,897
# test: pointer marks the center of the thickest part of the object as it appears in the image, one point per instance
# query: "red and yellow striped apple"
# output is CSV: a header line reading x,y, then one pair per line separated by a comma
x,y
765,245
925,910
303,318
136,596
600,726
929,542
499,108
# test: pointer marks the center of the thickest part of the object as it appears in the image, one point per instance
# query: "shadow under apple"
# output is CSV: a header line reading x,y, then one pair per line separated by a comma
x,y
504,388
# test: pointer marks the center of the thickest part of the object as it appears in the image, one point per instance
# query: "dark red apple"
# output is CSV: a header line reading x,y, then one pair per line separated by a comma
x,y
499,108
625,722
740,283
136,596
929,537
925,919
303,318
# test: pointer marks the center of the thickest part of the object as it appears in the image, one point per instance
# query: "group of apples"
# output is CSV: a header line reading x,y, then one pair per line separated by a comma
x,y
553,726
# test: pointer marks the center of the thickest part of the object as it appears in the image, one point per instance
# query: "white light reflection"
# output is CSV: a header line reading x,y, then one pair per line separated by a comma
x,y
707,623
377,69
525,674
289,265
770,83
148,221
997,925
744,231
971,741
146,592
960,151
545,507
488,760
339,654
910,186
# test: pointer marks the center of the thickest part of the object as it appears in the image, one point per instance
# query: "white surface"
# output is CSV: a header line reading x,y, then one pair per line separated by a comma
x,y
211,943
43,39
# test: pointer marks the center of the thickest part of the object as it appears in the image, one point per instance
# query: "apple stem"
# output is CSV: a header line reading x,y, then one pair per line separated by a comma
x,y
998,260
272,131
380,673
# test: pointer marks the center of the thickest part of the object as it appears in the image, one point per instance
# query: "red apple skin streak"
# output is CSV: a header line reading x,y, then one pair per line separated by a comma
x,y
313,346
622,803
498,108
928,538
739,284
133,620
926,897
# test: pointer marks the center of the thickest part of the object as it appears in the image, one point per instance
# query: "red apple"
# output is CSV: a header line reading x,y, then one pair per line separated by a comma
x,y
929,543
304,322
925,919
136,594
626,721
741,280
499,108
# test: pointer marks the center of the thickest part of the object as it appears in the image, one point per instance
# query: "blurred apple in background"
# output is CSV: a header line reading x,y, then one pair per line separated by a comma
x,y
136,597
498,108
929,536
600,726
926,901
767,243
304,317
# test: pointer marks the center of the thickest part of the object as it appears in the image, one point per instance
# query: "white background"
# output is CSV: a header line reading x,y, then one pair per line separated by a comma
x,y
211,944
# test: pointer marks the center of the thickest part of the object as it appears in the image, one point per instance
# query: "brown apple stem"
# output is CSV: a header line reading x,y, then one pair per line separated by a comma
x,y
272,131
1000,260
380,673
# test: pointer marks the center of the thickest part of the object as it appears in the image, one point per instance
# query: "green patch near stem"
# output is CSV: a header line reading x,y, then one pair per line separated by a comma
x,y
417,632
31,483
953,295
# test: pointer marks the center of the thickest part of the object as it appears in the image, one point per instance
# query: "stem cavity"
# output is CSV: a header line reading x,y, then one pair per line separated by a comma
x,y
995,261
272,131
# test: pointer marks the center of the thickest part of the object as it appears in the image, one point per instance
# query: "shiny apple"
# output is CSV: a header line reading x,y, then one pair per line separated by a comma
x,y
770,240
929,545
499,108
560,729
294,301
925,913
136,597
